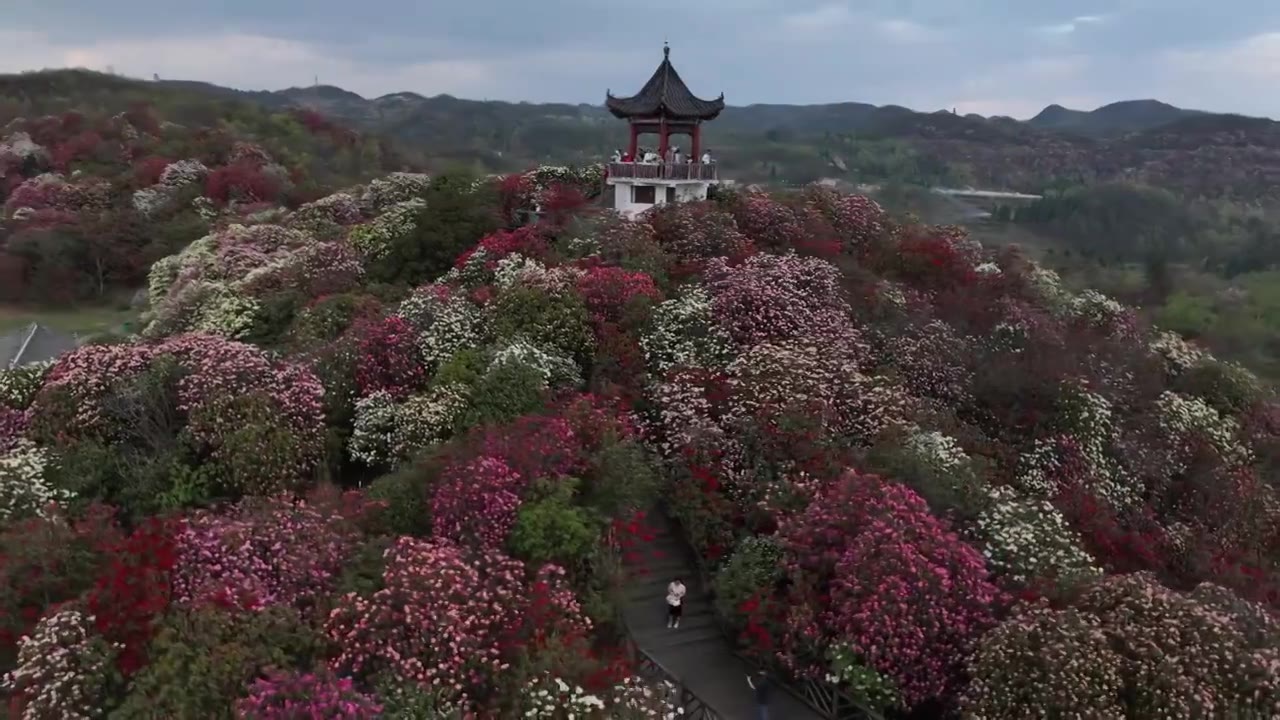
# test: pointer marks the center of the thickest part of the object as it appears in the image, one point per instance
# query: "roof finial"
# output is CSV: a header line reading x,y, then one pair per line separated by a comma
x,y
666,49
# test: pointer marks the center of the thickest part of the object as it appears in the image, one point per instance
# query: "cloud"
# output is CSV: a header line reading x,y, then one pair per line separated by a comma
x,y
1241,76
1073,24
257,62
820,19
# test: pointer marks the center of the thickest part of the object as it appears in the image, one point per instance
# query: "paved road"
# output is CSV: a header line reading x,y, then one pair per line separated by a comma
x,y
696,652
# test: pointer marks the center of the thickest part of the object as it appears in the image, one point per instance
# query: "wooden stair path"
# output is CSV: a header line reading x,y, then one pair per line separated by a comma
x,y
696,655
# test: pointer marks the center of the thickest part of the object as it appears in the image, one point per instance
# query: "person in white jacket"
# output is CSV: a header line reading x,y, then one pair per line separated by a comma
x,y
675,602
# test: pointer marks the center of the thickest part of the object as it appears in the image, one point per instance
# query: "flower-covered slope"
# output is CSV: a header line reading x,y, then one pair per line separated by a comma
x,y
388,450
89,198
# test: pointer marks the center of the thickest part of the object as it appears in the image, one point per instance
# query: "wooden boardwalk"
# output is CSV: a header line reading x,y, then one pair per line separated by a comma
x,y
696,653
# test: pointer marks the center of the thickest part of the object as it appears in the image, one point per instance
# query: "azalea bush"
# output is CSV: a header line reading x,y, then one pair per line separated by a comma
x,y
284,696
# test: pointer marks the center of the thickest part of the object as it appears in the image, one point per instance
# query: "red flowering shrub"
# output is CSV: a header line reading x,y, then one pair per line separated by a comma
x,y
527,241
134,589
695,232
610,291
389,359
243,181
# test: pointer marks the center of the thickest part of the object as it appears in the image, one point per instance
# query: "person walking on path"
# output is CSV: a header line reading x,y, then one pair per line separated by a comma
x,y
760,683
675,602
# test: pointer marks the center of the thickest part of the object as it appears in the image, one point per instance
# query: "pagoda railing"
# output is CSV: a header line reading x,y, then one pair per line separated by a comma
x,y
664,171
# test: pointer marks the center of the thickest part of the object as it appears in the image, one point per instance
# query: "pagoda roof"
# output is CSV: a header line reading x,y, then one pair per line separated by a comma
x,y
665,95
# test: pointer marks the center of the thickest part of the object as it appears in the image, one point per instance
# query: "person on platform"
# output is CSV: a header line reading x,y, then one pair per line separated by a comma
x,y
650,157
706,157
676,157
617,155
760,683
675,602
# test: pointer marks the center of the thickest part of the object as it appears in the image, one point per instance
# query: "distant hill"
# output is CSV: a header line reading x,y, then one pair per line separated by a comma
x,y
1109,120
1148,141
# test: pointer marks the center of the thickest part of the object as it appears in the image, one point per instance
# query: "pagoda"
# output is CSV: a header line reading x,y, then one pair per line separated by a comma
x,y
663,107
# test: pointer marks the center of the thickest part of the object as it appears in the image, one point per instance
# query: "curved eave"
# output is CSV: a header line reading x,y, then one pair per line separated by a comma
x,y
634,107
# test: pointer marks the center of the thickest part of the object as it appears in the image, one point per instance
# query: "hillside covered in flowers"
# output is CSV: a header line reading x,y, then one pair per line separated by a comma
x,y
99,179
391,454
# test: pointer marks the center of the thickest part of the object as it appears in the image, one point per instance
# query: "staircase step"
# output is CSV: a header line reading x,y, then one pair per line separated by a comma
x,y
682,636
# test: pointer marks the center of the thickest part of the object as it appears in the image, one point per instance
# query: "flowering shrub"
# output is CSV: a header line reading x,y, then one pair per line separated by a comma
x,y
684,333
477,502
260,421
386,432
1029,540
294,696
439,619
771,297
63,669
25,489
1114,655
547,697
264,552
1041,659
906,595
376,238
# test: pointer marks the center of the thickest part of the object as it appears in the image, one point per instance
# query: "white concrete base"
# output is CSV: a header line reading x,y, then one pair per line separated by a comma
x,y
633,196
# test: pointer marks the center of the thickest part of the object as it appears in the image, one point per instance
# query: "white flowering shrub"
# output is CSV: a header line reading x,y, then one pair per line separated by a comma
x,y
226,313
182,173
546,697
385,431
374,238
398,187
373,429
517,269
1184,415
151,200
63,669
987,269
636,699
1047,286
556,369
19,385
938,452
1029,540
1178,354
685,333
846,670
457,324
25,489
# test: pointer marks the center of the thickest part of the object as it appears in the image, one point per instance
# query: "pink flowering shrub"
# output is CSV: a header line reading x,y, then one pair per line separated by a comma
x,y
857,219
695,232
302,696
261,421
873,569
772,297
442,618
1130,647
263,552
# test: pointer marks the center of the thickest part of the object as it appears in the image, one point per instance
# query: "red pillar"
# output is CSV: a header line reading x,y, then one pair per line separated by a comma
x,y
695,152
663,139
635,142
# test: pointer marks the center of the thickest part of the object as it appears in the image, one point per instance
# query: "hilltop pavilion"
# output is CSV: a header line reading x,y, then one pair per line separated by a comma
x,y
663,107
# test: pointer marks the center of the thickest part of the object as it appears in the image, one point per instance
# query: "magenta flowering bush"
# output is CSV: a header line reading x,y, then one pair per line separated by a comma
x,y
476,503
262,553
302,696
874,570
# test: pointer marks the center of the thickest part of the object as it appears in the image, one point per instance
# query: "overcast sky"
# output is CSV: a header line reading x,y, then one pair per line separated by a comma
x,y
989,56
